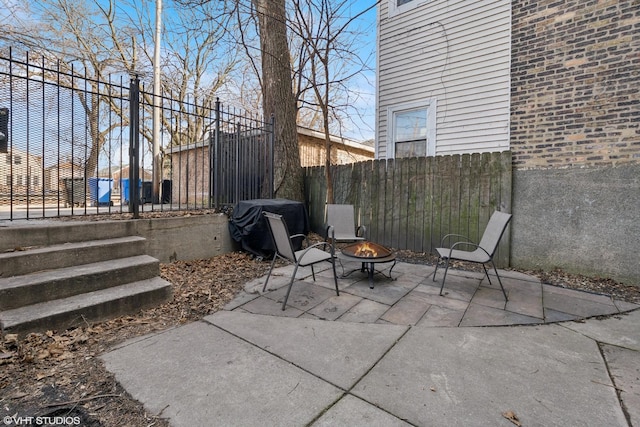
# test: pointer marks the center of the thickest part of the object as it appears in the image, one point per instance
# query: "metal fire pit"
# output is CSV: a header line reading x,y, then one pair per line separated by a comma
x,y
369,254
366,250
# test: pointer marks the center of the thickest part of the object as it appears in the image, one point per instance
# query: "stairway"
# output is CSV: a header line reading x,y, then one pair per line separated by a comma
x,y
76,276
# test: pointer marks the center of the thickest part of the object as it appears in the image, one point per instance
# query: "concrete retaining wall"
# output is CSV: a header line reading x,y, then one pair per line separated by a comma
x,y
168,239
186,238
585,221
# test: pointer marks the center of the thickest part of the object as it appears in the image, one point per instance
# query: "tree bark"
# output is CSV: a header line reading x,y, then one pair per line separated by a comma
x,y
279,99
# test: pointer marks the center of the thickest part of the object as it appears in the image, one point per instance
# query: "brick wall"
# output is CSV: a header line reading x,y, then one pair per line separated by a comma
x,y
575,83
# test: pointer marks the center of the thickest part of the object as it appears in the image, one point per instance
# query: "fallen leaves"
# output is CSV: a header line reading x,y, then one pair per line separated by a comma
x,y
599,285
511,416
202,287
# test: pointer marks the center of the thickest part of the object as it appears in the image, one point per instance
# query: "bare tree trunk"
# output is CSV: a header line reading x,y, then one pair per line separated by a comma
x,y
327,162
279,99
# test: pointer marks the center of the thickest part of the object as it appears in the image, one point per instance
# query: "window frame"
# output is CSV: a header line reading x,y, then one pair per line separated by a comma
x,y
394,9
431,108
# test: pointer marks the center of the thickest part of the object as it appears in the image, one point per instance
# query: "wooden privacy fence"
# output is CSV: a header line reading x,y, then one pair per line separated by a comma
x,y
412,203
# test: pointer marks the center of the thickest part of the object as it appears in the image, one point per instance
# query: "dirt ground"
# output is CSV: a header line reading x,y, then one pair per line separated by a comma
x,y
59,373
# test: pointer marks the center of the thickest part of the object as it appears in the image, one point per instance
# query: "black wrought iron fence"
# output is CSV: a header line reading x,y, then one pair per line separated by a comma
x,y
68,139
231,161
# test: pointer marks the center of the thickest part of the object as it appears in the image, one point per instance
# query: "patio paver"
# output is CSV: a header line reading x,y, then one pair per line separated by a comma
x,y
441,317
366,311
334,307
480,315
581,305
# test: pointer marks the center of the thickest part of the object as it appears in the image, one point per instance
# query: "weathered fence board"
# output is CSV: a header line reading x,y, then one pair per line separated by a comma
x,y
412,203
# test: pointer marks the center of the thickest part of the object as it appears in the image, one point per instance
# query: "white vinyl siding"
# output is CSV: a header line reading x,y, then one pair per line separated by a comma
x,y
454,52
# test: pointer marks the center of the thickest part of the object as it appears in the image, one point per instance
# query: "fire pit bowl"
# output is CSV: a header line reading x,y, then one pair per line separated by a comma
x,y
369,254
366,250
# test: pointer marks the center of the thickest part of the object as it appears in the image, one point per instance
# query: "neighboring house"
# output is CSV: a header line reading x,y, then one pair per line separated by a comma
x,y
554,82
189,164
20,173
189,168
56,174
443,77
343,150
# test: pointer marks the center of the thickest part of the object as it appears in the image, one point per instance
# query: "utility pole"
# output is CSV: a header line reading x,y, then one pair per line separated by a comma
x,y
157,161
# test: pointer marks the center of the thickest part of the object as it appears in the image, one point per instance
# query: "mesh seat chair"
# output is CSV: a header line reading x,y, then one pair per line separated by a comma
x,y
483,252
341,224
302,258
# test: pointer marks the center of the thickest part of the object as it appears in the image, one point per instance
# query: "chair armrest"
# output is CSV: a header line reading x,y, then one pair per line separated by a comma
x,y
466,239
306,239
361,230
467,244
331,232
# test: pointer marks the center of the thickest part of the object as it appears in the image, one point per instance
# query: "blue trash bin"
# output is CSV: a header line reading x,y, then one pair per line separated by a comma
x,y
100,191
124,189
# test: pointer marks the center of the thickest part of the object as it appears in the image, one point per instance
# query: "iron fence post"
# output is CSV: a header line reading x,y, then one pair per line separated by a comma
x,y
237,165
134,143
214,171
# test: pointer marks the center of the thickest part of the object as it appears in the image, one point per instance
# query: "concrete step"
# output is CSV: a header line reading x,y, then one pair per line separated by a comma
x,y
89,307
51,232
68,254
20,291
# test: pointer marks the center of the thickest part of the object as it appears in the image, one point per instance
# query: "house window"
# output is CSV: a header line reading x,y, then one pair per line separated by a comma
x,y
9,180
399,6
412,131
17,159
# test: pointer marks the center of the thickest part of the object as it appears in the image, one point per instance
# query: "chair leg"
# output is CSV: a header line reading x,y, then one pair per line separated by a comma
x,y
313,273
446,269
269,275
293,278
335,276
499,281
436,270
487,274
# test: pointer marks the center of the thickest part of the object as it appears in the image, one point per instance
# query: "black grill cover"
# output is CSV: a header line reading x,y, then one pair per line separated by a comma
x,y
249,227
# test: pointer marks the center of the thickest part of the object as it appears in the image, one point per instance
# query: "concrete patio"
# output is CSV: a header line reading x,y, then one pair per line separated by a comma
x,y
395,355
